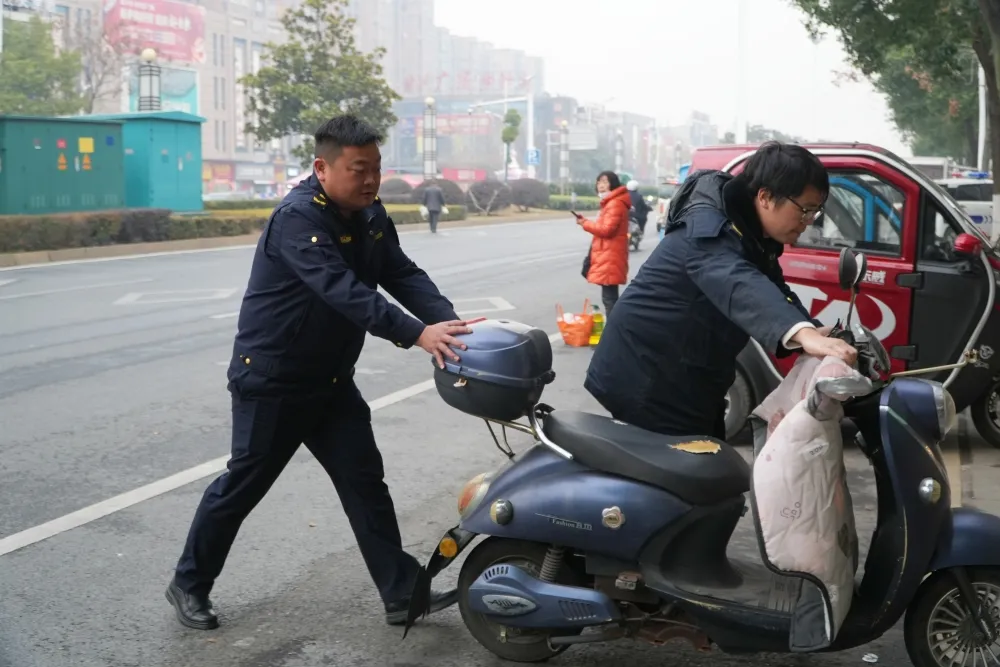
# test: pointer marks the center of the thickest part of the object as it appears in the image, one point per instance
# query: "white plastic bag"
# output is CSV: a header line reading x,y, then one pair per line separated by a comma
x,y
424,213
444,211
802,503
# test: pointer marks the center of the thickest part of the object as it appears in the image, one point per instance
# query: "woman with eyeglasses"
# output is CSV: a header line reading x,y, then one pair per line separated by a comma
x,y
668,357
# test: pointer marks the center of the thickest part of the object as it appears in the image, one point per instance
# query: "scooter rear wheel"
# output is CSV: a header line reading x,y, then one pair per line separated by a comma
x,y
939,629
508,643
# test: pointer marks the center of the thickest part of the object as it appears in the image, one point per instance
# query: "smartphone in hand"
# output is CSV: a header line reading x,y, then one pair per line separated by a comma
x,y
575,214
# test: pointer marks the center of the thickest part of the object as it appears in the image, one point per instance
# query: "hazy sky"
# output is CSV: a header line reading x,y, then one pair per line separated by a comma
x,y
667,57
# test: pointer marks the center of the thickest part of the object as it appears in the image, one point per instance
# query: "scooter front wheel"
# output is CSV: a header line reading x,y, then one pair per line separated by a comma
x,y
940,630
509,643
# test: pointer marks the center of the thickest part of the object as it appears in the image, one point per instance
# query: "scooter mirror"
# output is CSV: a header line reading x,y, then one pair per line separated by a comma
x,y
851,270
968,246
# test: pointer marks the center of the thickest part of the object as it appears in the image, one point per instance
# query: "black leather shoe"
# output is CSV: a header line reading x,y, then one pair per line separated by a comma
x,y
193,611
395,612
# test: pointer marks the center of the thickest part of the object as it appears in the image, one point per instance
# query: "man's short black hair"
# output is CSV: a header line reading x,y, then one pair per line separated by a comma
x,y
613,181
785,170
345,130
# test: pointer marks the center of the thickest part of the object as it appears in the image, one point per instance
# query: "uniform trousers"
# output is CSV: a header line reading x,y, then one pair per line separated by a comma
x,y
335,424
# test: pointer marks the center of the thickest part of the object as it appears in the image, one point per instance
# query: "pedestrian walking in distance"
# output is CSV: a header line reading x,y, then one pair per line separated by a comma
x,y
311,298
433,201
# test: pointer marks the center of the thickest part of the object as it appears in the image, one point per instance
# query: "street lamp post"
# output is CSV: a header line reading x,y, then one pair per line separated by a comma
x,y
430,140
549,143
149,81
564,157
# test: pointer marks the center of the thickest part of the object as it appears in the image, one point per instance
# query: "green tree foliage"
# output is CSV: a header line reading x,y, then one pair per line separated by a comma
x,y
920,53
318,73
34,81
511,129
937,115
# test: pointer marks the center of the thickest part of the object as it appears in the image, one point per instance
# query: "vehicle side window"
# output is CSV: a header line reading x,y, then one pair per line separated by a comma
x,y
862,212
937,233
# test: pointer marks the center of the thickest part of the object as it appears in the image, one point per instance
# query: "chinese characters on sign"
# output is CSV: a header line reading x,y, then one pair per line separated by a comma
x,y
176,30
875,277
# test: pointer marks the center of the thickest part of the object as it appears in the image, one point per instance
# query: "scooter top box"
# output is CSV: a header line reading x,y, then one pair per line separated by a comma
x,y
501,375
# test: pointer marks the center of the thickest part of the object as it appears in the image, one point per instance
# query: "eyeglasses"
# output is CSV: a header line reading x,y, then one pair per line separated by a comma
x,y
808,214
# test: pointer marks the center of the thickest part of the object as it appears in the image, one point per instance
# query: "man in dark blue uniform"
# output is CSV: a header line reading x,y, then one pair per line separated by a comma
x,y
311,298
667,356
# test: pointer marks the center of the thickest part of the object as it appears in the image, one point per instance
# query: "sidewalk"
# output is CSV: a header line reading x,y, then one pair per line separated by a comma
x,y
980,469
98,252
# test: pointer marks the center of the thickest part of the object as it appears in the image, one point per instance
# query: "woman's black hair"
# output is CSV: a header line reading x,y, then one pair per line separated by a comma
x,y
613,181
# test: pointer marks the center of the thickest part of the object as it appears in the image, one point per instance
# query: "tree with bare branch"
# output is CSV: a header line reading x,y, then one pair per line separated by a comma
x,y
102,57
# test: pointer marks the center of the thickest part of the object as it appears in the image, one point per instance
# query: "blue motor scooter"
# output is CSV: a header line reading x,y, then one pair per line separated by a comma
x,y
603,531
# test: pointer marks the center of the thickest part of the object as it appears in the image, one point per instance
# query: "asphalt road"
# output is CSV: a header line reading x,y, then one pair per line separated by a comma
x,y
112,380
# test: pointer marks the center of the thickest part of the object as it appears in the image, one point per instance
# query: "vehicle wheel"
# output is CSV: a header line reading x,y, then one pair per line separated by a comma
x,y
514,644
939,630
739,400
985,412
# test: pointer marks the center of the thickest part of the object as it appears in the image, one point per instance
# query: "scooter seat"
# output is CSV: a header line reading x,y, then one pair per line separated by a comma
x,y
689,467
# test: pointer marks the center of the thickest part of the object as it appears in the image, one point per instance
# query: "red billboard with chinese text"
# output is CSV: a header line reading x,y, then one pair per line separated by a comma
x,y
175,30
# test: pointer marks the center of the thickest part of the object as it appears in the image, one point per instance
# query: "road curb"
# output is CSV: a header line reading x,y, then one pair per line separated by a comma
x,y
8,260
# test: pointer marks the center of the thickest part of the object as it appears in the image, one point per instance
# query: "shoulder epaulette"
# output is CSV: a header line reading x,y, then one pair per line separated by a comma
x,y
320,200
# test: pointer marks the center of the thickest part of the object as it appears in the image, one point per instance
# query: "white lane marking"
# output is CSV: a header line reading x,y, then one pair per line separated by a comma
x,y
75,288
497,303
176,296
125,500
7,282
223,316
118,258
547,258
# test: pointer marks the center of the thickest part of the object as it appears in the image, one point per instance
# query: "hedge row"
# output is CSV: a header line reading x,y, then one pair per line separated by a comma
x,y
28,233
523,193
565,203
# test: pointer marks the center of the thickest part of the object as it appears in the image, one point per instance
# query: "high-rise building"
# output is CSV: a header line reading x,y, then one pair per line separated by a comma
x,y
459,72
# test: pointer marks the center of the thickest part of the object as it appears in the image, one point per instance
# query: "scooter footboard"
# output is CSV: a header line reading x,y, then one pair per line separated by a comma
x,y
524,601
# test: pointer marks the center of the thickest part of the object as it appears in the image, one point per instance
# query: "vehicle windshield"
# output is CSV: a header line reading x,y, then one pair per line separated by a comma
x,y
960,213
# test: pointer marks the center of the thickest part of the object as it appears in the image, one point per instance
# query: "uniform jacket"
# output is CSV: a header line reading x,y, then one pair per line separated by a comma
x,y
609,249
669,350
312,294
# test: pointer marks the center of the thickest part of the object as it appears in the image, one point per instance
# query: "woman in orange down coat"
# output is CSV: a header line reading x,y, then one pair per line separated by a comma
x,y
607,264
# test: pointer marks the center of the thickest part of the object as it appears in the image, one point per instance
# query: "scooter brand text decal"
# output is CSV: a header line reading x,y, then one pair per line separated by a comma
x,y
566,523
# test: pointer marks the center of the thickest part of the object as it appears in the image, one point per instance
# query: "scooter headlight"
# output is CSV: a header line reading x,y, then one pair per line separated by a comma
x,y
947,414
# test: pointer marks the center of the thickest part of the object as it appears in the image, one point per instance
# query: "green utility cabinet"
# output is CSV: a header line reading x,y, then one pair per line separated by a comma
x,y
60,165
162,159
